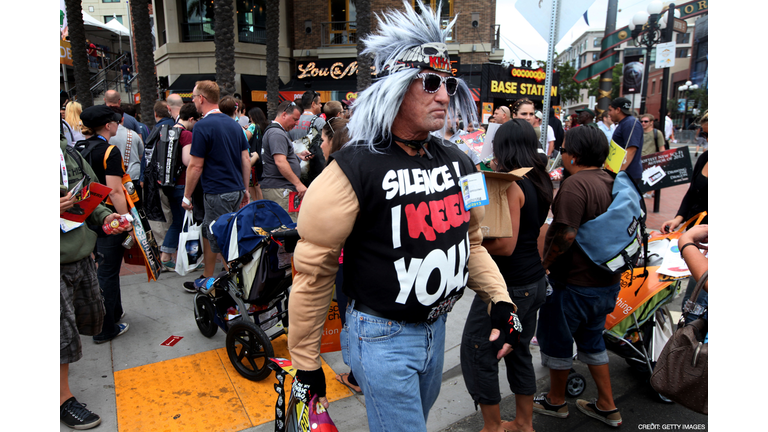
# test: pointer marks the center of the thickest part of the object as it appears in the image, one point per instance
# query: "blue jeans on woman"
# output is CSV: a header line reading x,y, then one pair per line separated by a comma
x,y
404,362
171,241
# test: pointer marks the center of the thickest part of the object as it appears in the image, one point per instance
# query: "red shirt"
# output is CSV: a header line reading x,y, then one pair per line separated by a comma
x,y
185,139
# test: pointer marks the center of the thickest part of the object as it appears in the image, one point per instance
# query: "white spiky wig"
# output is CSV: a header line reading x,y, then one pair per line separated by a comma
x,y
395,49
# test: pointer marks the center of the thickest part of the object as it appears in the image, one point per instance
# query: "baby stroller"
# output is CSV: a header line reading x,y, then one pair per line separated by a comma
x,y
639,326
252,297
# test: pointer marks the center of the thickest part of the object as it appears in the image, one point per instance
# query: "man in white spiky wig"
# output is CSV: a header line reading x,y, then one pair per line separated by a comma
x,y
392,199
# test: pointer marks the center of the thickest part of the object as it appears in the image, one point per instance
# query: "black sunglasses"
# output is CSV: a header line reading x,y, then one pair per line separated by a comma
x,y
289,108
645,121
431,83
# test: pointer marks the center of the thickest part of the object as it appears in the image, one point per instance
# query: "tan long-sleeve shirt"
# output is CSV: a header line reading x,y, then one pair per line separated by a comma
x,y
328,214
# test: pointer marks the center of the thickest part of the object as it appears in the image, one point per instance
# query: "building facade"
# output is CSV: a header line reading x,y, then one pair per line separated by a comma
x,y
317,44
584,51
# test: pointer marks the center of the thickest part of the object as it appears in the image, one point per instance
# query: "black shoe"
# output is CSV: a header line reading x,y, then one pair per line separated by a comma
x,y
541,405
122,328
190,286
76,416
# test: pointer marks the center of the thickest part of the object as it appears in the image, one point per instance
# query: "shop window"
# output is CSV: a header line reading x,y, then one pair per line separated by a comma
x,y
683,38
196,20
343,22
111,17
446,13
252,21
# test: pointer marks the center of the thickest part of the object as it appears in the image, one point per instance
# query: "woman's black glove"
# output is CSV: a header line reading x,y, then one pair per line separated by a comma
x,y
307,384
504,318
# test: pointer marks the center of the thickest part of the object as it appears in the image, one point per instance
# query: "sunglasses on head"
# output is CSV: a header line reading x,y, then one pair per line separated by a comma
x,y
331,126
431,83
290,108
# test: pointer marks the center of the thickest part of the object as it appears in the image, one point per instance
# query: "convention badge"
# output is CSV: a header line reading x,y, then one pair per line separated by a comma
x,y
474,190
67,225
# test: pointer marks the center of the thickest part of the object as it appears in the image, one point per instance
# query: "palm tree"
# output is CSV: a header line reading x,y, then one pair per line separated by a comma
x,y
224,40
363,28
273,58
79,53
145,59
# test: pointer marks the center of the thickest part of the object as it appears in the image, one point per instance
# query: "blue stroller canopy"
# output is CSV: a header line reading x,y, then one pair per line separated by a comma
x,y
237,233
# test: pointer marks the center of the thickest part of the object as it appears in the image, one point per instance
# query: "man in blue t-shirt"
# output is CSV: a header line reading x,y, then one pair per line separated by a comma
x,y
629,136
221,162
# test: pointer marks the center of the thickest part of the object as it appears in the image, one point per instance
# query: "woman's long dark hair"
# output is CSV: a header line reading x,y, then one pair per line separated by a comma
x,y
515,146
258,118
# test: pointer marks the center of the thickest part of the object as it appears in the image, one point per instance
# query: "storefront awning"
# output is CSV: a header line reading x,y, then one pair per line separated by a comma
x,y
185,83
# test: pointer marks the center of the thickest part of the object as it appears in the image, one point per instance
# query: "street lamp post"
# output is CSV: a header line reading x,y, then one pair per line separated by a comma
x,y
647,32
658,28
685,88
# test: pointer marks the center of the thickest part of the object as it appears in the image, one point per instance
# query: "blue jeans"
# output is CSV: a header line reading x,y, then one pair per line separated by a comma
x,y
127,77
109,256
575,313
171,240
398,365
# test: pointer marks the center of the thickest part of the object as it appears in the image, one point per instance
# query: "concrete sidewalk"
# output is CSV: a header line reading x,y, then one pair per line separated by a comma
x,y
136,384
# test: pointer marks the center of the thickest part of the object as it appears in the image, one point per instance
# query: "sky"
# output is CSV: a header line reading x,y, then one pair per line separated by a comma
x,y
520,41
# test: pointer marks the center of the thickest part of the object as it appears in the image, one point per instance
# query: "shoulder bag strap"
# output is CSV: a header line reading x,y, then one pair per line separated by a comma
x,y
630,133
106,155
127,155
695,295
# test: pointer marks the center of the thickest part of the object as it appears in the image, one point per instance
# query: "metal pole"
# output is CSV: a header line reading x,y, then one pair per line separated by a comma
x,y
666,37
130,36
606,78
64,74
550,67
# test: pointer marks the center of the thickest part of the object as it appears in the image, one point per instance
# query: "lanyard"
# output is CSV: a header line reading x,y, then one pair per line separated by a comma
x,y
63,164
213,111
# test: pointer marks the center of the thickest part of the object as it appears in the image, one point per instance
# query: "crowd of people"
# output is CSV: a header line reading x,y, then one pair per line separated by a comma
x,y
382,216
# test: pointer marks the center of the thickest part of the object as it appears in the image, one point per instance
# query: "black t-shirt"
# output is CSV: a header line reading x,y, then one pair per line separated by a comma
x,y
524,265
95,158
696,199
407,254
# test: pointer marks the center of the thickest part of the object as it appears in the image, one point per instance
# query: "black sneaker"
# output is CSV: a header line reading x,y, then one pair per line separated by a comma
x,y
190,286
541,405
76,416
611,418
122,328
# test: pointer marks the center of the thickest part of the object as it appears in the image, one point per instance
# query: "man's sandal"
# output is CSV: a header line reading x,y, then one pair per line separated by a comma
x,y
344,379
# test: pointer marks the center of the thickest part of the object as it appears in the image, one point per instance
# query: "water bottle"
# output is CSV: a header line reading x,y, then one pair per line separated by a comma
x,y
123,222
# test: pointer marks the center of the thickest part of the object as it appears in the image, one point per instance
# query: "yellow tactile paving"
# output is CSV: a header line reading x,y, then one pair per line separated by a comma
x,y
201,392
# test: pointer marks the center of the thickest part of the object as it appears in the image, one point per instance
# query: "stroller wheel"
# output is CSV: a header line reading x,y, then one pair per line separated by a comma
x,y
205,319
575,385
249,350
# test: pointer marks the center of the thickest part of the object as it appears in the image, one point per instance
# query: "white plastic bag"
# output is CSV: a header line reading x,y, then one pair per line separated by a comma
x,y
189,254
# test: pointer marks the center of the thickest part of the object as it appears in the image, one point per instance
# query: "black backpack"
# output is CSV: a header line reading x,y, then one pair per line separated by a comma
x,y
165,156
255,146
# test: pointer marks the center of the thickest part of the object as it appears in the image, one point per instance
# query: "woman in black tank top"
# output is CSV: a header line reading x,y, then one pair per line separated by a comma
x,y
518,259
